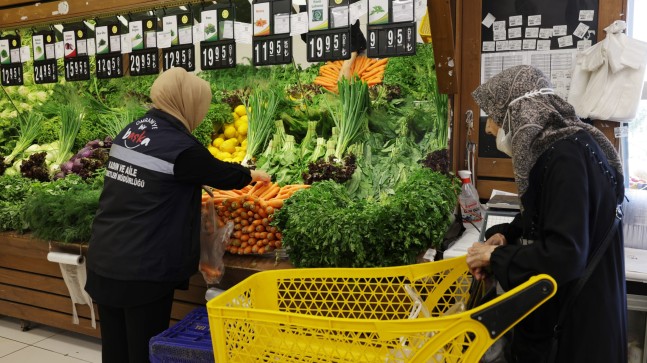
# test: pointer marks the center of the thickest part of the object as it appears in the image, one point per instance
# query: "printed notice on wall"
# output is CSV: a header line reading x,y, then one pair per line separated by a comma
x,y
557,64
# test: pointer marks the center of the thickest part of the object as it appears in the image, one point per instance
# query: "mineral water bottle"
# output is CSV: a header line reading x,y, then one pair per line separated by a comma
x,y
469,198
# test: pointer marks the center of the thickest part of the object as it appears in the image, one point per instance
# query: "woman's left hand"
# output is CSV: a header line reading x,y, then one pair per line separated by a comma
x,y
478,257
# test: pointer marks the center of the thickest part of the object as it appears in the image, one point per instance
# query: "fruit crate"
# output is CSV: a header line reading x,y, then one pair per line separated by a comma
x,y
393,314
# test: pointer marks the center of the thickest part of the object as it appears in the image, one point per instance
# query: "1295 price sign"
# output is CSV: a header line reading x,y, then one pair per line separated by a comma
x,y
110,66
143,62
12,74
77,68
179,56
218,54
45,71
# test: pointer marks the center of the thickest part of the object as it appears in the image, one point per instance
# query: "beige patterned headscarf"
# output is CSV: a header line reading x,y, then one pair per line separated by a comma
x,y
183,95
537,120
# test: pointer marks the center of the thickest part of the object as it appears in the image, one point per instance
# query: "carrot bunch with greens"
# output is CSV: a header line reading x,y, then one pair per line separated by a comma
x,y
368,70
251,209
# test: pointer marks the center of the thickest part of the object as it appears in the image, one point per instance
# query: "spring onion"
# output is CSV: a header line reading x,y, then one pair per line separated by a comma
x,y
350,117
71,117
262,106
29,127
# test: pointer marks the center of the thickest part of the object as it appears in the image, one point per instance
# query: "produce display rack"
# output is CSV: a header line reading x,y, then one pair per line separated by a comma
x,y
32,288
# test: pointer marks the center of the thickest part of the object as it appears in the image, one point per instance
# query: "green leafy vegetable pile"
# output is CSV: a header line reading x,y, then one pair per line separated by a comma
x,y
323,226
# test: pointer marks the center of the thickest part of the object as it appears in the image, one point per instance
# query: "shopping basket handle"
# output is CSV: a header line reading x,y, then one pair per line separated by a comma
x,y
504,312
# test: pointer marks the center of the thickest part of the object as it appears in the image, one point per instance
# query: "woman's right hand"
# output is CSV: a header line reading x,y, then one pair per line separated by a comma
x,y
260,176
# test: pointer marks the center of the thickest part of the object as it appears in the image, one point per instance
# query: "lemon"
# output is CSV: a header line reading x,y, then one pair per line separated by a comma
x,y
227,147
235,116
244,143
242,130
244,120
230,131
240,110
241,138
213,150
239,121
217,141
225,155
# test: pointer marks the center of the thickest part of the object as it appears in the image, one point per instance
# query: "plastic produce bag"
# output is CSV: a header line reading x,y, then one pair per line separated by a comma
x,y
214,238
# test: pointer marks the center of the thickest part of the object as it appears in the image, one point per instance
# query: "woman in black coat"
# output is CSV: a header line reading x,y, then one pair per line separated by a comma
x,y
569,179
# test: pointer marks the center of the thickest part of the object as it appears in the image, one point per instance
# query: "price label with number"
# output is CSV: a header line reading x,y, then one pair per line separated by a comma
x,y
45,71
12,74
271,50
109,65
143,62
179,56
219,54
77,68
392,40
328,45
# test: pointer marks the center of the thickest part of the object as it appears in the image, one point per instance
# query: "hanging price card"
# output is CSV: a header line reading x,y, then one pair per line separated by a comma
x,y
45,71
109,65
12,74
77,68
179,56
272,50
218,54
143,62
328,45
391,40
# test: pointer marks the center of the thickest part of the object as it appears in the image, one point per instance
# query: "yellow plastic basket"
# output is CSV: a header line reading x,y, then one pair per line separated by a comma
x,y
425,28
394,314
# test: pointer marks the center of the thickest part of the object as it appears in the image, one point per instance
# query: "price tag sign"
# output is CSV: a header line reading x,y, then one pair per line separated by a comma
x,y
143,62
12,74
109,65
391,40
45,71
179,56
328,45
77,68
218,54
272,50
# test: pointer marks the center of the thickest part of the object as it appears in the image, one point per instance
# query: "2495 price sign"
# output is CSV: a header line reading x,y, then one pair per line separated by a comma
x,y
77,68
328,45
109,65
391,40
271,50
12,74
45,71
179,56
218,54
143,62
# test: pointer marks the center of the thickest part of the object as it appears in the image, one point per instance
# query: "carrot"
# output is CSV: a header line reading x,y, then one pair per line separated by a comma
x,y
271,192
275,203
260,190
321,82
373,83
378,63
372,73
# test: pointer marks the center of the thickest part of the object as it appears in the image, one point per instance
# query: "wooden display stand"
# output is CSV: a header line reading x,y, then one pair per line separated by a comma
x,y
32,289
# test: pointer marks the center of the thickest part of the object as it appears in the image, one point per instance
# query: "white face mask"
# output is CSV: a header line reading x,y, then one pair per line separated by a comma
x,y
504,142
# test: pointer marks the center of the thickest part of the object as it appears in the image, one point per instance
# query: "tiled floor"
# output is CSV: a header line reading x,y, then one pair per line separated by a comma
x,y
45,344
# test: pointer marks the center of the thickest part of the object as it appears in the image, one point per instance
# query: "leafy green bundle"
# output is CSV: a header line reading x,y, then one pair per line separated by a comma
x,y
323,226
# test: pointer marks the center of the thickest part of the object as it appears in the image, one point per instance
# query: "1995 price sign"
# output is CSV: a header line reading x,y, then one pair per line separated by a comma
x,y
218,55
391,40
328,45
179,56
45,71
143,62
77,68
12,74
271,50
110,66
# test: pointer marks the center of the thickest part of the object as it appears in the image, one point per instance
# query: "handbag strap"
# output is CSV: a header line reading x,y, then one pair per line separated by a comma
x,y
568,304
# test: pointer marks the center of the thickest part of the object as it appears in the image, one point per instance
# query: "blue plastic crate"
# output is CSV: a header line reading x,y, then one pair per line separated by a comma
x,y
187,341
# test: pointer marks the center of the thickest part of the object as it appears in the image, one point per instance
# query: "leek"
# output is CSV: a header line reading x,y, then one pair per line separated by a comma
x,y
28,128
